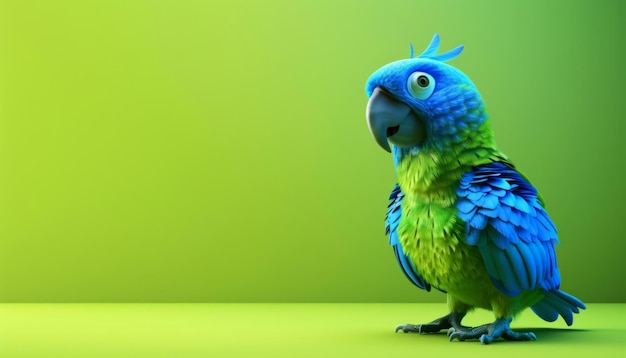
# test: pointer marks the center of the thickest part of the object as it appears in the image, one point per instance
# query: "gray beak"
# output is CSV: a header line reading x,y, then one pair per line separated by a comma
x,y
392,121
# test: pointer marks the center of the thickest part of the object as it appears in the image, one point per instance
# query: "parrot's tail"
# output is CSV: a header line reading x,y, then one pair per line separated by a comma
x,y
557,302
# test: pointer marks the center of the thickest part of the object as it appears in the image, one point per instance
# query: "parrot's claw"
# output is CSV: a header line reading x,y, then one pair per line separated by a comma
x,y
488,332
406,328
451,320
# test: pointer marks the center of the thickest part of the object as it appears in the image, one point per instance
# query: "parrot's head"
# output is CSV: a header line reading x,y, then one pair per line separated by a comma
x,y
422,102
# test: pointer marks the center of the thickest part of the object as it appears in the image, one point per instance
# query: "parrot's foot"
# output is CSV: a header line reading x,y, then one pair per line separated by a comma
x,y
488,332
452,321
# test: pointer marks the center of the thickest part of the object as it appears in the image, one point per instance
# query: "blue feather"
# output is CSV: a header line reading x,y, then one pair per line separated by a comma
x,y
488,259
500,241
508,199
530,264
547,224
515,218
478,222
518,267
448,55
461,191
521,205
474,238
574,302
491,201
393,238
544,310
465,206
499,183
551,256
432,47
409,269
505,272
475,196
532,226
559,306
504,213
523,234
492,213
541,261
505,229
431,51
480,201
392,220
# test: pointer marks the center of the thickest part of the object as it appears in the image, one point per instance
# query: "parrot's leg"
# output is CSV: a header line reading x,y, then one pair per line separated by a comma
x,y
450,321
488,332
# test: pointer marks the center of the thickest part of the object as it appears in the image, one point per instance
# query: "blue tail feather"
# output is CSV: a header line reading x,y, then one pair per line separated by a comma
x,y
555,303
545,311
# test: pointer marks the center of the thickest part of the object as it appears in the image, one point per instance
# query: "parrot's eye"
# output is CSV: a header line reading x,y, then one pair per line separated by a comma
x,y
421,85
422,81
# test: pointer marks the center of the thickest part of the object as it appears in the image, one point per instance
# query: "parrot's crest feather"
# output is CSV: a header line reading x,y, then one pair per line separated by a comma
x,y
431,51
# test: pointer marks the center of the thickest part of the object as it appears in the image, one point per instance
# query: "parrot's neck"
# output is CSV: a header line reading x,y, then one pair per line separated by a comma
x,y
433,174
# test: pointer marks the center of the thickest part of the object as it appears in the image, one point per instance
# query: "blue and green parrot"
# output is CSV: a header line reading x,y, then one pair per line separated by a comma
x,y
461,219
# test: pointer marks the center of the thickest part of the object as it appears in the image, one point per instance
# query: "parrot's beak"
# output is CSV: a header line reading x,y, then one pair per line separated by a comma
x,y
390,120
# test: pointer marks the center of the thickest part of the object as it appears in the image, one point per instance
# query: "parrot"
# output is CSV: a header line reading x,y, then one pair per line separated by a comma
x,y
461,218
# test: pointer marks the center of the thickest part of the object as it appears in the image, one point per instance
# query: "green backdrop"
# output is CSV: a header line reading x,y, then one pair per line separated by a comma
x,y
216,151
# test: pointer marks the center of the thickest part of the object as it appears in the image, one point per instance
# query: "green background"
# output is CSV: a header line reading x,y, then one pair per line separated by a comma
x,y
217,151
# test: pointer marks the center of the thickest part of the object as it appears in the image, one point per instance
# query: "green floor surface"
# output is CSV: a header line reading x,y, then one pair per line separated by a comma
x,y
285,330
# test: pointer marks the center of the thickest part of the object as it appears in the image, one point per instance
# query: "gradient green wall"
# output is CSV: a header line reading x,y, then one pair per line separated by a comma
x,y
204,151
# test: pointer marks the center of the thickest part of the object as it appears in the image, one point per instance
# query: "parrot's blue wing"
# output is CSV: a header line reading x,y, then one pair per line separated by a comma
x,y
394,212
506,221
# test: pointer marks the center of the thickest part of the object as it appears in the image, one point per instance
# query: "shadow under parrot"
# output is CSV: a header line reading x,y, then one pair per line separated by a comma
x,y
567,336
